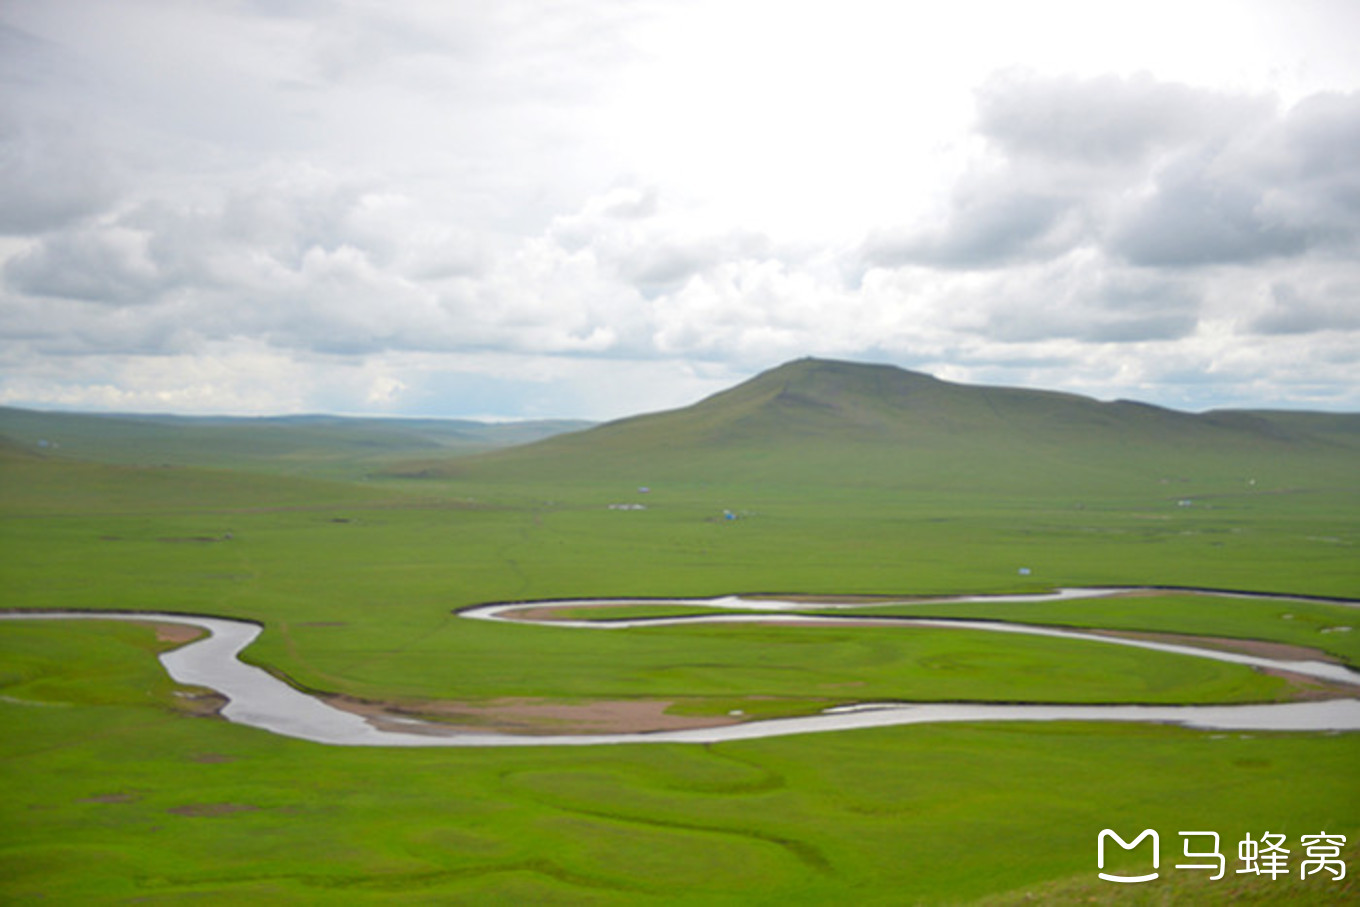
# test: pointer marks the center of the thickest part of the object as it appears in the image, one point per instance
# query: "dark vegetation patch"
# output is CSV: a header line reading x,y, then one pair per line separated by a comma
x,y
207,810
121,797
201,703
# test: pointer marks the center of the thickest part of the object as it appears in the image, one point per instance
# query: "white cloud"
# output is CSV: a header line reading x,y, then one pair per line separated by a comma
x,y
505,207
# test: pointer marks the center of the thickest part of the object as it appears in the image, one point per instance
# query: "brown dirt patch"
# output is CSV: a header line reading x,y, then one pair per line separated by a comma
x,y
178,633
1258,647
844,599
549,613
1304,688
854,623
200,702
515,715
113,798
1301,686
199,810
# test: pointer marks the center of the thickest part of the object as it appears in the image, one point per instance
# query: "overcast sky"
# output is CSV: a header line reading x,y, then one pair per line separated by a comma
x,y
594,208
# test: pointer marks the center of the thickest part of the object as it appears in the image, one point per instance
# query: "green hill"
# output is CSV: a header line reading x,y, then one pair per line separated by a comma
x,y
288,443
836,423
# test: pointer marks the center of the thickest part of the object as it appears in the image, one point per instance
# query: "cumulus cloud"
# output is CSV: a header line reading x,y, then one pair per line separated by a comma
x,y
365,192
1158,174
1295,309
1082,298
98,264
633,237
1105,121
1293,188
1292,192
1311,162
987,226
55,172
53,177
1201,212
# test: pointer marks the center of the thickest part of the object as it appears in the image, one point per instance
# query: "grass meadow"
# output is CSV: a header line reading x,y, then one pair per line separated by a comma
x,y
118,791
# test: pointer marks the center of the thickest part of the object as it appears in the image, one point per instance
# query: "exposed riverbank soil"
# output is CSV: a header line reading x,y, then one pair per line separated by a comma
x,y
178,634
1275,650
515,715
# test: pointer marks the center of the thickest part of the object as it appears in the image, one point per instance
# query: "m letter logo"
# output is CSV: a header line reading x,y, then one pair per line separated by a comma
x,y
1100,854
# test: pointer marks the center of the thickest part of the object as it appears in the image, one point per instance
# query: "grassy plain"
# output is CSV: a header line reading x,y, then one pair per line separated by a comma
x,y
125,799
1317,625
1331,628
117,792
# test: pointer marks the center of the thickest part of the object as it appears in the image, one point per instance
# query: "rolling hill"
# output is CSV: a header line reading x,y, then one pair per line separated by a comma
x,y
825,422
274,443
807,424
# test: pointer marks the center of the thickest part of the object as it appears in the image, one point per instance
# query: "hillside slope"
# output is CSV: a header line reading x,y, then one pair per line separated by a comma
x,y
828,422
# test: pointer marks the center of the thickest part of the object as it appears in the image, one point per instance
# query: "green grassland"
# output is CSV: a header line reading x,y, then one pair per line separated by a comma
x,y
118,792
1316,625
125,798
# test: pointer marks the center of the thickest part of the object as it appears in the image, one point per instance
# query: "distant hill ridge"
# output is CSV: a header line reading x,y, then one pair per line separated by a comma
x,y
810,399
813,415
807,422
260,440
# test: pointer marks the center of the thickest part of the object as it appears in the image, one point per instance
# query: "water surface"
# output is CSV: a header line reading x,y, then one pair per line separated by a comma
x,y
257,699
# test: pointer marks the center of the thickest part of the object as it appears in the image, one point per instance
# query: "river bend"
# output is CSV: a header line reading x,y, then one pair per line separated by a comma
x,y
258,699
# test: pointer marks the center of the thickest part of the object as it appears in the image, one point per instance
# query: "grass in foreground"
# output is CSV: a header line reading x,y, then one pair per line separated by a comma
x,y
125,798
115,795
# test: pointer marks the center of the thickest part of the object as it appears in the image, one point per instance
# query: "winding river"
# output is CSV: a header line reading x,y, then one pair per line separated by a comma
x,y
258,699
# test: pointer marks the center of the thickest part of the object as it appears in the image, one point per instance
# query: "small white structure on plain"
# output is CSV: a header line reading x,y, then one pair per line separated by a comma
x,y
1184,502
627,506
643,489
1024,571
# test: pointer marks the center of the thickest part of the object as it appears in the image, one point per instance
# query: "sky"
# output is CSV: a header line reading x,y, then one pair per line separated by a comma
x,y
595,208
